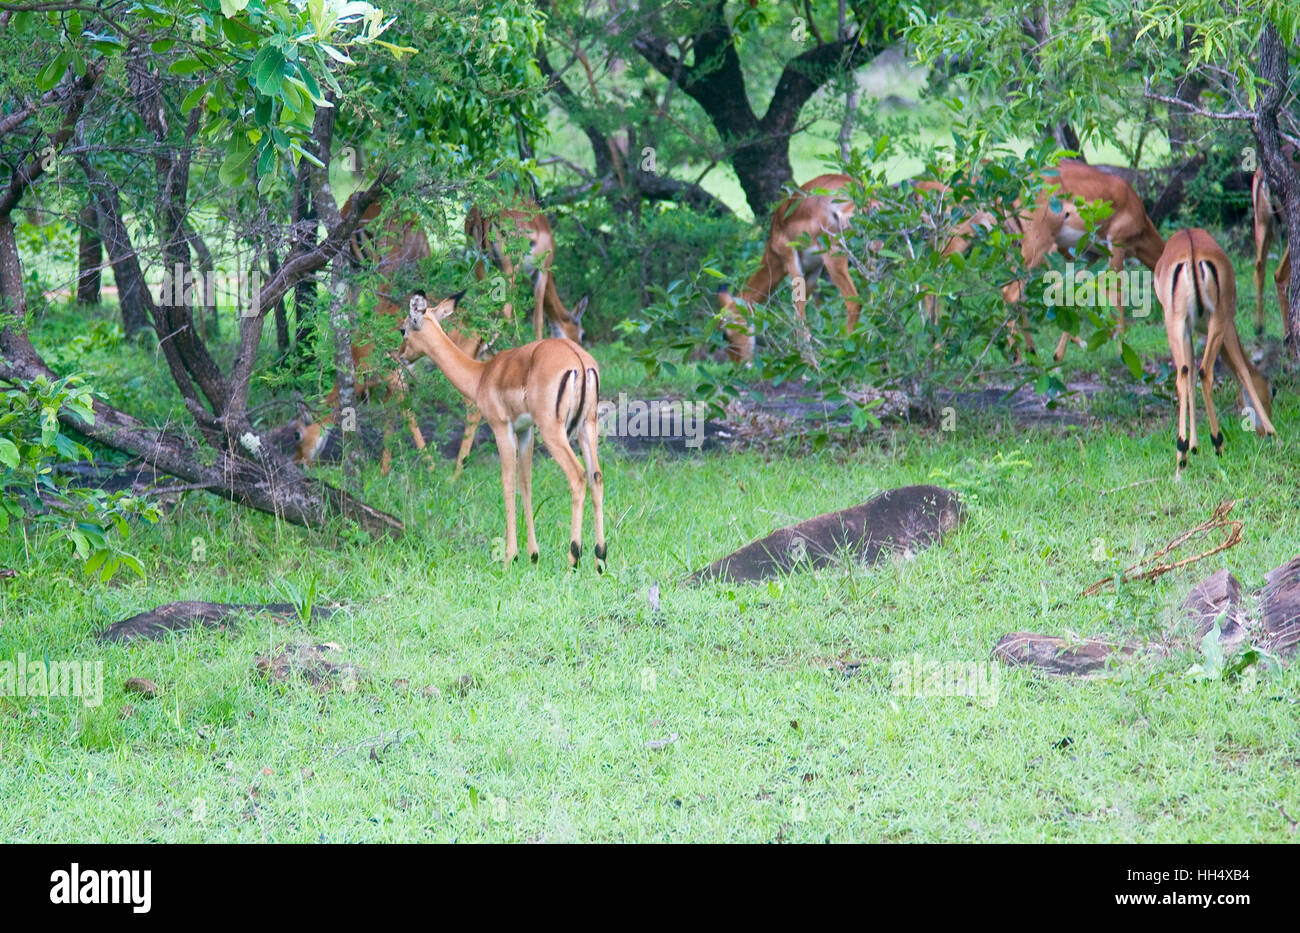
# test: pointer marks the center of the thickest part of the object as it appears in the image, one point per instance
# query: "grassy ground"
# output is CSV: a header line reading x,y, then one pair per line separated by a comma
x,y
553,691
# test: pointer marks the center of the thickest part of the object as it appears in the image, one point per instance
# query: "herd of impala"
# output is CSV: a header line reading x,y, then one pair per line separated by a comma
x,y
551,386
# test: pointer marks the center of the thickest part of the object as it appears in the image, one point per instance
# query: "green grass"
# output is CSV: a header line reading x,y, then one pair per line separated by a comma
x,y
573,674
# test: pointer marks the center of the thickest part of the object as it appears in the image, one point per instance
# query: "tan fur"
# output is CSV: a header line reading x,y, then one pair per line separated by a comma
x,y
400,244
1198,291
1266,224
484,235
550,386
806,214
1128,229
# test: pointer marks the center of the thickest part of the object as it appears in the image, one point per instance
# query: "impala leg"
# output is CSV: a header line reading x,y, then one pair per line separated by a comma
x,y
1059,353
505,437
507,267
589,437
526,490
473,418
930,306
1213,341
557,442
1179,341
1254,387
837,267
417,436
539,304
1039,240
1116,265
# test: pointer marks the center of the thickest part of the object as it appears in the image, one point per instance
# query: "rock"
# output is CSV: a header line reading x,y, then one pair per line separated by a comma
x,y
181,616
897,521
1054,655
1218,598
312,663
143,686
1280,608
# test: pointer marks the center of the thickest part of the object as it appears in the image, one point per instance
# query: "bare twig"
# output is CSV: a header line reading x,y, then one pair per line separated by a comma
x,y
1218,520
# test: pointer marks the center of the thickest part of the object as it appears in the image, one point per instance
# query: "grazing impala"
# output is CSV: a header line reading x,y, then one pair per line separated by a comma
x,y
399,248
1198,291
819,209
549,386
1128,231
484,236
1266,228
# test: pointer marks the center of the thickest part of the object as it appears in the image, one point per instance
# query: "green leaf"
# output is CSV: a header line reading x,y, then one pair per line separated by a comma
x,y
1131,360
231,7
194,98
235,166
131,561
51,73
309,82
266,161
186,66
265,71
8,453
95,561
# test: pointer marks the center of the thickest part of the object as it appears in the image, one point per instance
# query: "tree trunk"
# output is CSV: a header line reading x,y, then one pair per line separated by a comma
x,y
131,287
244,470
1283,176
90,255
302,241
281,316
716,81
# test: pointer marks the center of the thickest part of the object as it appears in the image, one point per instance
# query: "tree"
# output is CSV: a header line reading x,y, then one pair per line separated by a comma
x,y
697,49
260,85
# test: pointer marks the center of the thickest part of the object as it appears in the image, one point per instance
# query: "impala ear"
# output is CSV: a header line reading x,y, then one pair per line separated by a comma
x,y
304,413
580,308
419,303
455,299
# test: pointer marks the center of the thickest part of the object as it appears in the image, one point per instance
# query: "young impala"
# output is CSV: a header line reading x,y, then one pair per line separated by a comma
x,y
550,387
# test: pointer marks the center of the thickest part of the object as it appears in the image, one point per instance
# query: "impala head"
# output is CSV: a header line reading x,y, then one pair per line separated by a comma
x,y
308,437
740,342
572,328
420,315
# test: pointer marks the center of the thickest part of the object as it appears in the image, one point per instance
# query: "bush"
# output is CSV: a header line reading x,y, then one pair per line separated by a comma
x,y
35,494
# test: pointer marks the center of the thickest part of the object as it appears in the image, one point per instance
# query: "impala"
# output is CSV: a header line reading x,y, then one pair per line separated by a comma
x,y
484,236
1266,215
818,209
400,246
1198,291
1126,231
550,387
